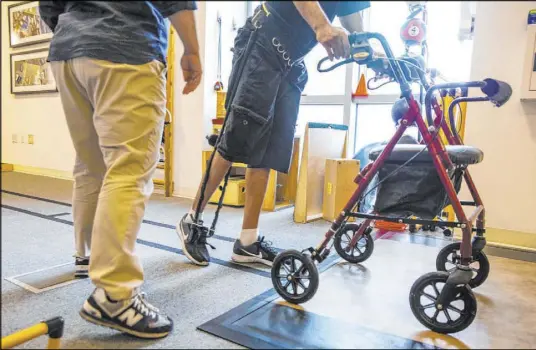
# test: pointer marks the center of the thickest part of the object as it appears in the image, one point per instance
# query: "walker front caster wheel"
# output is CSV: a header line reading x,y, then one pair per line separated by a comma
x,y
363,248
295,276
449,257
452,317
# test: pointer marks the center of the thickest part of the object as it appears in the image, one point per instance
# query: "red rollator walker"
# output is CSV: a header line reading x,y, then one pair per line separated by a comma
x,y
294,274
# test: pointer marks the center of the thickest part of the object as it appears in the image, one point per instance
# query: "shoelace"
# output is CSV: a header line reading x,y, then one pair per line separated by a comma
x,y
143,306
143,295
201,238
267,245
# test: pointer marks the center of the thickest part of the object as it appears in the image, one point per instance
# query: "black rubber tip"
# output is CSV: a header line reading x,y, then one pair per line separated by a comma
x,y
498,91
212,139
55,327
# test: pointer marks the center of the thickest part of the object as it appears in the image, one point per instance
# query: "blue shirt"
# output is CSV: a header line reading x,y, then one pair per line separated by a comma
x,y
130,32
288,15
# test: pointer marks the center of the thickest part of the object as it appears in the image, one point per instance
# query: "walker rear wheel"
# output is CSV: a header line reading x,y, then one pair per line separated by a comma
x,y
363,248
295,276
453,317
449,257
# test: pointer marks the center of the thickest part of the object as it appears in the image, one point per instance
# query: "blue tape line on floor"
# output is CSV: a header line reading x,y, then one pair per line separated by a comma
x,y
149,222
59,214
148,243
160,224
37,198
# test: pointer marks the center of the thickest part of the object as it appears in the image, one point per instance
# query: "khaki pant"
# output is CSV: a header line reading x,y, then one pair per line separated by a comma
x,y
115,115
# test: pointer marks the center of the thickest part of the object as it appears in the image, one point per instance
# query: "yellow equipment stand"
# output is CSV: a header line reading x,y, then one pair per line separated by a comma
x,y
168,125
339,185
167,182
53,328
321,142
459,119
220,104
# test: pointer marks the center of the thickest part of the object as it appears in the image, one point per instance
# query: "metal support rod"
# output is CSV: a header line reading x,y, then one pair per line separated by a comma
x,y
24,335
404,220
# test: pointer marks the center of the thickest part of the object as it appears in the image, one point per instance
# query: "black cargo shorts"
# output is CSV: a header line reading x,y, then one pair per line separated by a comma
x,y
260,128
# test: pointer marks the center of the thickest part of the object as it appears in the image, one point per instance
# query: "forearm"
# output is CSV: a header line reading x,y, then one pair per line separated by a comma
x,y
184,24
49,12
181,16
312,13
353,22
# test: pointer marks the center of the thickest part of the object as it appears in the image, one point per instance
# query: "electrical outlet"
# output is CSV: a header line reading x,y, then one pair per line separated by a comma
x,y
30,139
14,138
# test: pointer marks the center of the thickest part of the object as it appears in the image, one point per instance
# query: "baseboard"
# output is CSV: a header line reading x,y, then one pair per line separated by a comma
x,y
510,239
184,193
511,247
58,174
182,197
7,167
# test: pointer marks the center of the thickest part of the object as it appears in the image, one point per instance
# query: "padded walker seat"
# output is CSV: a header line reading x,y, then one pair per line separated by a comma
x,y
459,155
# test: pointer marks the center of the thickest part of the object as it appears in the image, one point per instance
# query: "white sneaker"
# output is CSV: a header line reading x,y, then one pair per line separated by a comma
x,y
82,267
134,316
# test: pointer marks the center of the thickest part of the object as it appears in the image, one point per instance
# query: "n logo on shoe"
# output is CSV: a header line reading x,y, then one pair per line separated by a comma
x,y
130,317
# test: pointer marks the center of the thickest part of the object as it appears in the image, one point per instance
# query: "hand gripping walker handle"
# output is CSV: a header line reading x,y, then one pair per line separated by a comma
x,y
355,40
356,37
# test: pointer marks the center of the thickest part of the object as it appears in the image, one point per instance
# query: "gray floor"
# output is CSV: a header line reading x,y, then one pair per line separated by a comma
x,y
33,239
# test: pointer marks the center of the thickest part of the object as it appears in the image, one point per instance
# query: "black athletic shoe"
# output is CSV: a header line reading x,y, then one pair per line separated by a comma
x,y
133,316
194,241
82,268
259,252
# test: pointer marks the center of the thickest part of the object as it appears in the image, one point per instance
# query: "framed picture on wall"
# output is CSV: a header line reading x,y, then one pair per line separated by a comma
x,y
31,73
25,24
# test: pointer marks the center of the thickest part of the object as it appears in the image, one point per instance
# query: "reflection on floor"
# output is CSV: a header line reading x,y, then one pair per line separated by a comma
x,y
367,305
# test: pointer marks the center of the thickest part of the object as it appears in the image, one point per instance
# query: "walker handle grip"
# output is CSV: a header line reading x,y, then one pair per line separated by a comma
x,y
498,91
356,51
356,37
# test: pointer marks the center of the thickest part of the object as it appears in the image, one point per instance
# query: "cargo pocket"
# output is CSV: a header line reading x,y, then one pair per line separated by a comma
x,y
244,128
252,108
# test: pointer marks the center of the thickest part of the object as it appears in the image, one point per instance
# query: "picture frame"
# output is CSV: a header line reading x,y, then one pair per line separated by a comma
x,y
31,73
26,26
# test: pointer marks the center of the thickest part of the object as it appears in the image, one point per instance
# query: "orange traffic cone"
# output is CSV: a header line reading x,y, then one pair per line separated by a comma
x,y
361,90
